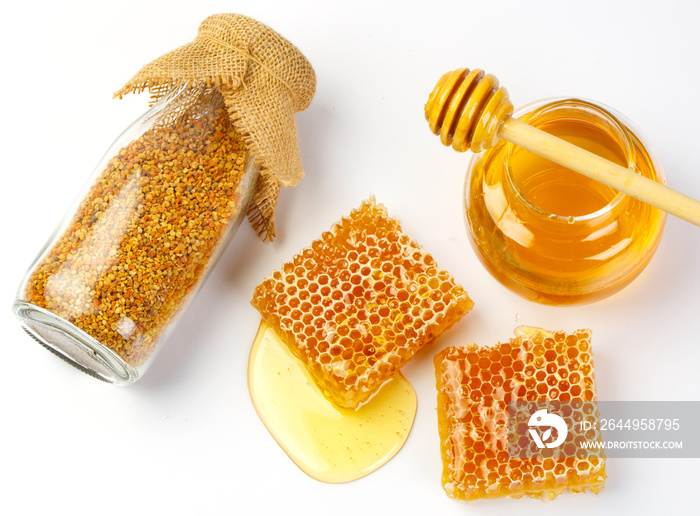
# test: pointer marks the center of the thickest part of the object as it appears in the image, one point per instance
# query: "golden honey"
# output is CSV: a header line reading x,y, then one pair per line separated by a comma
x,y
327,442
553,235
339,321
475,386
359,303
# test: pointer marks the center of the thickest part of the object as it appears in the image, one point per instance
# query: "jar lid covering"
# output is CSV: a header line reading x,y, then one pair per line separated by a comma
x,y
264,80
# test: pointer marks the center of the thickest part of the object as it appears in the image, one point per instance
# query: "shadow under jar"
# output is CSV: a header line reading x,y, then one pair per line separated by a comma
x,y
129,256
553,235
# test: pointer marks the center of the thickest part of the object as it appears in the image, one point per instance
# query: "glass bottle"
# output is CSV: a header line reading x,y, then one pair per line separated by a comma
x,y
550,234
110,284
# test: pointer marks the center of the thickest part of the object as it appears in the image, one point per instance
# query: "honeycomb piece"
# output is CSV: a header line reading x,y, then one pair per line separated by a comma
x,y
476,384
359,302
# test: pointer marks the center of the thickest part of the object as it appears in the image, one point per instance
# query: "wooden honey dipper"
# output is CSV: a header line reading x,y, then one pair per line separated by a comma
x,y
468,110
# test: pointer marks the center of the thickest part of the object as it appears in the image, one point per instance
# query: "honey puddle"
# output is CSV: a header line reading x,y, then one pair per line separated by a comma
x,y
328,443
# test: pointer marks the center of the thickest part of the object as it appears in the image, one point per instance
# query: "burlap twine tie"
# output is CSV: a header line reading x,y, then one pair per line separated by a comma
x,y
263,79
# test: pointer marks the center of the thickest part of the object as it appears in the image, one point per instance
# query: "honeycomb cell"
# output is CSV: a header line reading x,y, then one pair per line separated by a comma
x,y
366,281
472,416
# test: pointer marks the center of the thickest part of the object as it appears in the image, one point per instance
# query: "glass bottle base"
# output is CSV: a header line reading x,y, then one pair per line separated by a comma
x,y
74,345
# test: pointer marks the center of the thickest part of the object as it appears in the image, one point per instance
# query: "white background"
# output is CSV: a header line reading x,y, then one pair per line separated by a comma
x,y
185,439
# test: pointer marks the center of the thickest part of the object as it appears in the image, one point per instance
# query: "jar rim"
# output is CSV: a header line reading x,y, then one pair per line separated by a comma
x,y
540,108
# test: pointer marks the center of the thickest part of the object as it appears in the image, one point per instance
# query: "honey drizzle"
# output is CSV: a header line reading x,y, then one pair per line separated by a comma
x,y
327,442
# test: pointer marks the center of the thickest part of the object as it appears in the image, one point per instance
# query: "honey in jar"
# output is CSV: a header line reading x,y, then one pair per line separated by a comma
x,y
549,233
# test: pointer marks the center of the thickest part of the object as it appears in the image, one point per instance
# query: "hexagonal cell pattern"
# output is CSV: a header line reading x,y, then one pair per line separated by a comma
x,y
476,384
359,302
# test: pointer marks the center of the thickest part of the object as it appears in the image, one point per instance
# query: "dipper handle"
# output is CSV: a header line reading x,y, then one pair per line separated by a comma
x,y
468,110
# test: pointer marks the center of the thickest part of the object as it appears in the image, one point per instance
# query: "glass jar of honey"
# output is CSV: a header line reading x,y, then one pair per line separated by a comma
x,y
553,235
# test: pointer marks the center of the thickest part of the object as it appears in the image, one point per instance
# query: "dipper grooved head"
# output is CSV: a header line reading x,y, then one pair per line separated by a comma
x,y
466,108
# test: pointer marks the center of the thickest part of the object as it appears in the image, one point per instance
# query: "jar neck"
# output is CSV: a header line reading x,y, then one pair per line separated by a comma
x,y
540,190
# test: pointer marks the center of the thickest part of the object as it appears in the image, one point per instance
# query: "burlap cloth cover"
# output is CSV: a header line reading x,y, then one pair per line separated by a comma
x,y
264,80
